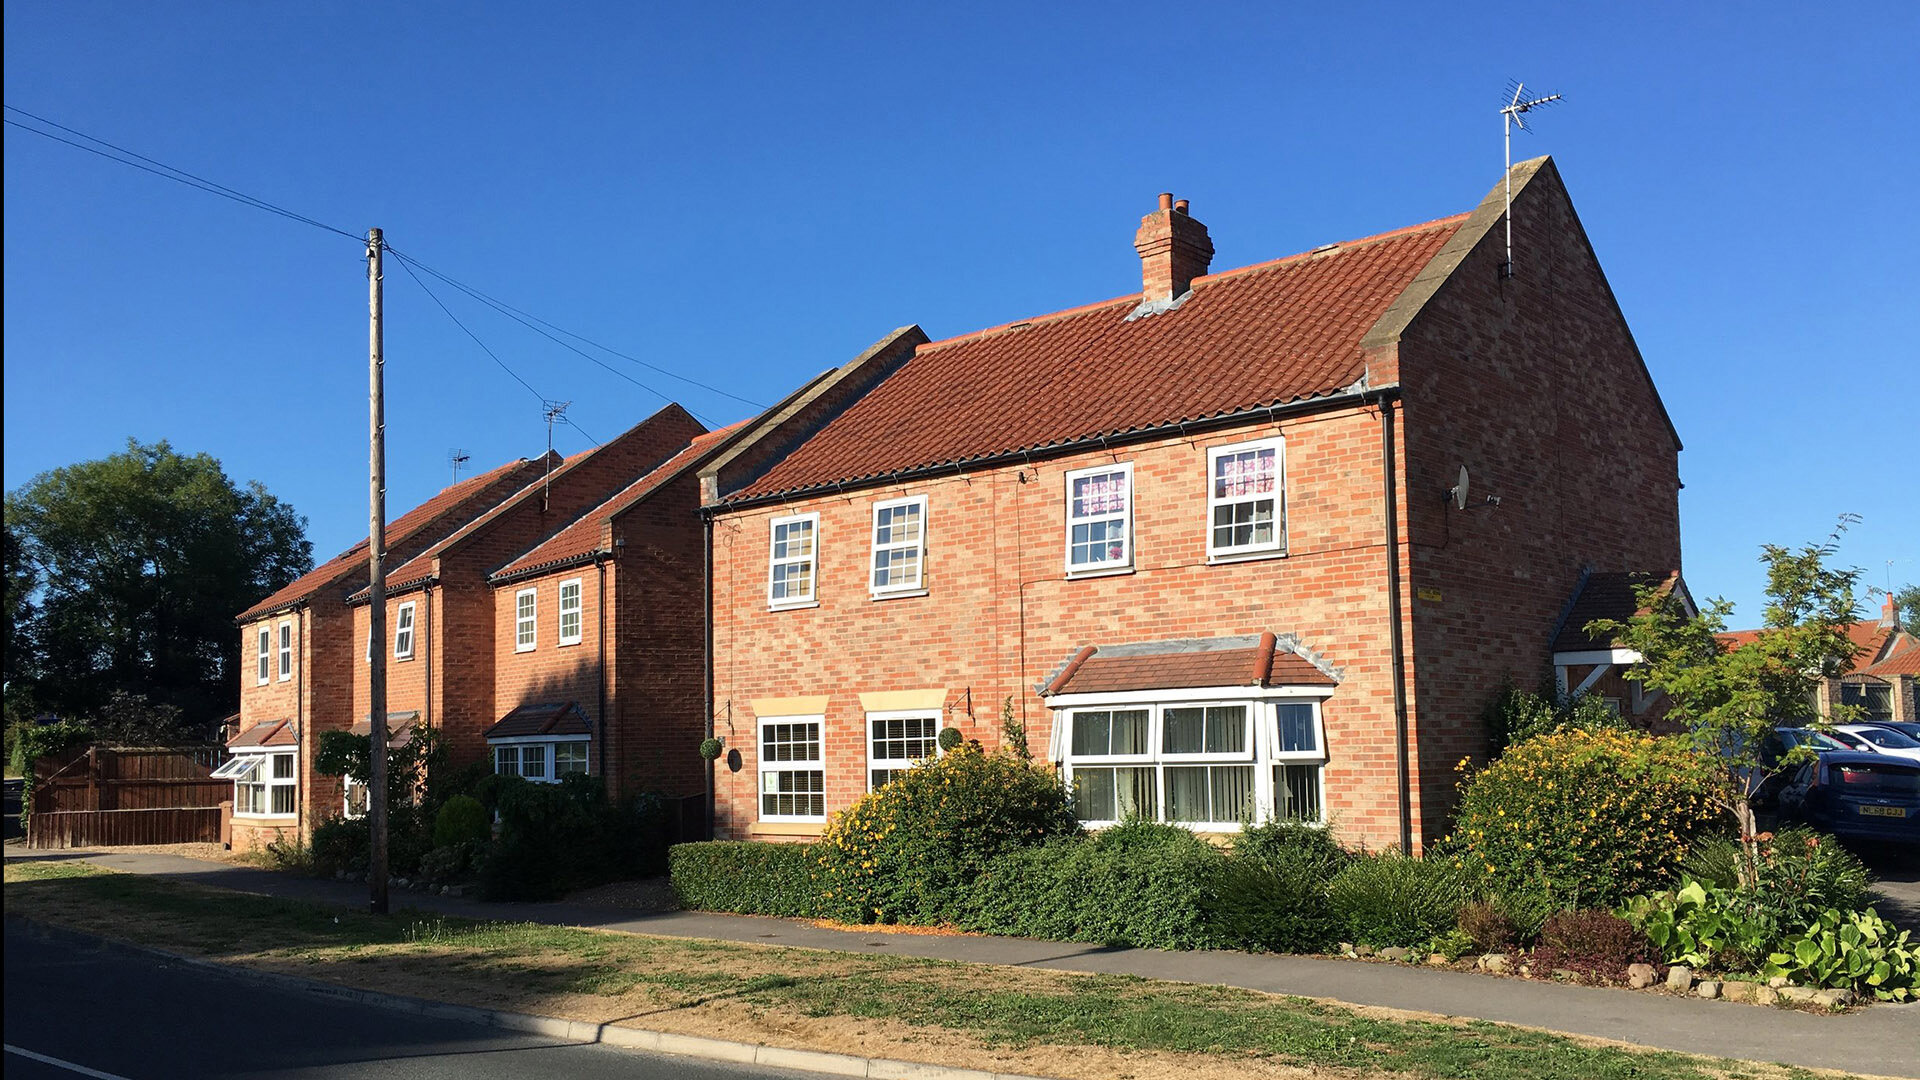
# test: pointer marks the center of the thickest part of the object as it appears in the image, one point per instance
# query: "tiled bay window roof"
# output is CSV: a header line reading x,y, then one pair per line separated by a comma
x,y
1246,339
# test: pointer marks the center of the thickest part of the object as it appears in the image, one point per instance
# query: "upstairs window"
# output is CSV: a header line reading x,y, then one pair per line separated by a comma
x,y
286,651
1100,519
525,619
899,546
792,566
403,633
1246,499
266,656
570,612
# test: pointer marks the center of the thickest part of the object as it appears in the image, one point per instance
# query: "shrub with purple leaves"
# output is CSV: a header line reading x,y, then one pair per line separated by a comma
x,y
1594,943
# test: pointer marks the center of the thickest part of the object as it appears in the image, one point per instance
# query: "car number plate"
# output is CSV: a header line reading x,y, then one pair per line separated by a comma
x,y
1884,811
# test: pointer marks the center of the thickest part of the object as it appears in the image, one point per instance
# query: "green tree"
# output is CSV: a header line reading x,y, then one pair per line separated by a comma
x,y
141,561
1906,600
1731,699
22,582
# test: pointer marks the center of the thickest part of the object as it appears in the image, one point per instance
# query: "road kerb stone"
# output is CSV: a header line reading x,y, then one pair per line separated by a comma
x,y
889,1069
780,1057
711,1049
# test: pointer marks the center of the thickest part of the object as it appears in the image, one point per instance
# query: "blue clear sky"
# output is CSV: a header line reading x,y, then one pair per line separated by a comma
x,y
752,195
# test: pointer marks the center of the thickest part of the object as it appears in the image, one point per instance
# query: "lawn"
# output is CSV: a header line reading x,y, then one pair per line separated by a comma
x,y
1010,1019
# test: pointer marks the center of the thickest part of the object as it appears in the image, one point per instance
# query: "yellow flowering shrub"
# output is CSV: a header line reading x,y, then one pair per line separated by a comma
x,y
1591,816
907,851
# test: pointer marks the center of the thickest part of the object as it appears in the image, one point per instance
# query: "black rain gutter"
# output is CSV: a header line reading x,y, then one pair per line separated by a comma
x,y
555,566
1085,442
1389,496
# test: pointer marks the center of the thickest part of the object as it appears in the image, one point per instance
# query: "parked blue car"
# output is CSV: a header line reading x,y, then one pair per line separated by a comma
x,y
1857,796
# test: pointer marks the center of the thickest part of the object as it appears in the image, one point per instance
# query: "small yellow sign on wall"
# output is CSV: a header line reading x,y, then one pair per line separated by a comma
x,y
1431,596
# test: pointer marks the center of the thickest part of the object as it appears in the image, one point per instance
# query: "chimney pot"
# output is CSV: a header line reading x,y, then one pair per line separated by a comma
x,y
1174,249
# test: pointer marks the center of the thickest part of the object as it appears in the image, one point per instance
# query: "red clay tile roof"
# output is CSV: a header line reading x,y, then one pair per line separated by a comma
x,y
399,727
551,718
270,733
1869,634
1245,660
1602,596
1245,339
398,530
583,536
1904,662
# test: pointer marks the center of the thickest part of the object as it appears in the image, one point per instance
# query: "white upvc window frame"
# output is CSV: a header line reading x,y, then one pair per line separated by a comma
x,y
811,560
403,631
1261,738
578,610
917,546
285,668
877,763
264,665
814,766
1277,544
548,746
257,769
1121,565
526,619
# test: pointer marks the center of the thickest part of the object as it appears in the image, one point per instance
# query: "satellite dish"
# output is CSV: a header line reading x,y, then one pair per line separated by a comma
x,y
1459,491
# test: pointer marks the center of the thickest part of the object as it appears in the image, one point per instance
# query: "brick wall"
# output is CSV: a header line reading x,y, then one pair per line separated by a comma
x,y
660,623
551,672
1000,616
1534,384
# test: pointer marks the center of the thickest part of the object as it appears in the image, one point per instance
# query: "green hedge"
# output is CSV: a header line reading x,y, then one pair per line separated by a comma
x,y
747,877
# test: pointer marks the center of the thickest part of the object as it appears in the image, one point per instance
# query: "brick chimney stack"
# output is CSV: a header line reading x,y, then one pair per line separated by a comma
x,y
1889,613
1174,249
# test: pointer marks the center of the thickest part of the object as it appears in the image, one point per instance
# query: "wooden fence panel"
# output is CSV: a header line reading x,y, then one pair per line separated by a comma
x,y
170,786
112,828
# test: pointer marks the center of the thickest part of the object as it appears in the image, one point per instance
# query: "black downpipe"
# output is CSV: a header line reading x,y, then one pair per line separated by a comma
x,y
600,666
706,645
1390,497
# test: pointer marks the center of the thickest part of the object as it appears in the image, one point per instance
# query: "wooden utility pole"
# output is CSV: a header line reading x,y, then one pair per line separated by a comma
x,y
377,583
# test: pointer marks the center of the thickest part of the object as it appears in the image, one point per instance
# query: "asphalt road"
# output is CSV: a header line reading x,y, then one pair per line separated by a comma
x,y
108,1013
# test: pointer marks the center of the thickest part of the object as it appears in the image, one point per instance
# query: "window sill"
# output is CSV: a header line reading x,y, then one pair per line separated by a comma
x,y
524,648
795,606
1247,556
808,827
570,644
399,658
898,594
1115,571
265,817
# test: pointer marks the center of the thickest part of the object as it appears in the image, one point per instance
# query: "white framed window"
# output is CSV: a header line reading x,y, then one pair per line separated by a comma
x,y
1100,519
571,609
896,741
354,798
266,657
264,782
543,760
899,547
1246,499
286,651
403,632
793,560
793,778
526,619
1205,764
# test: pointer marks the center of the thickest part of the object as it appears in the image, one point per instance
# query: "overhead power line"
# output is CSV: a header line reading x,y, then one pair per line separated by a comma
x,y
168,172
495,357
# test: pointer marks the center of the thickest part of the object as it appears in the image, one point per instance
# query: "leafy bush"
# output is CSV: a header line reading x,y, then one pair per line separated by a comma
x,y
1594,943
1488,926
909,850
461,819
748,878
555,838
1391,900
1289,846
1593,817
1858,951
1515,715
1138,883
340,844
1797,874
1711,928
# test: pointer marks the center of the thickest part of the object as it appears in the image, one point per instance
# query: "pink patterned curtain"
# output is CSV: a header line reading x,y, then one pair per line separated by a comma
x,y
1237,475
1102,494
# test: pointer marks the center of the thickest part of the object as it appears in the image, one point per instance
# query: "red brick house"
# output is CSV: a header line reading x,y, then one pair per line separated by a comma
x,y
598,638
1880,682
298,649
441,624
1198,538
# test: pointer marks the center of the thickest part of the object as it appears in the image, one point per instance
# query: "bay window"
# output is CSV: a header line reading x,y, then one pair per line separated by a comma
x,y
264,784
542,760
1209,765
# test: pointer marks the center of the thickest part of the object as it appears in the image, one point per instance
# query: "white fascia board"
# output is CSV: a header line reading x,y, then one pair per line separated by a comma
x,y
1596,656
516,740
1215,694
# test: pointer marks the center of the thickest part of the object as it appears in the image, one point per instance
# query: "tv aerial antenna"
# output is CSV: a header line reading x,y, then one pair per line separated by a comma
x,y
1513,114
552,411
457,460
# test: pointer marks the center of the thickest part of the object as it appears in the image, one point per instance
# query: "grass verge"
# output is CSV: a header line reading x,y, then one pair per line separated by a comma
x,y
979,1016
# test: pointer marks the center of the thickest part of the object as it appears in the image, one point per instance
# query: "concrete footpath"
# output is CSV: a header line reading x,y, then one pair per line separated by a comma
x,y
1881,1039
